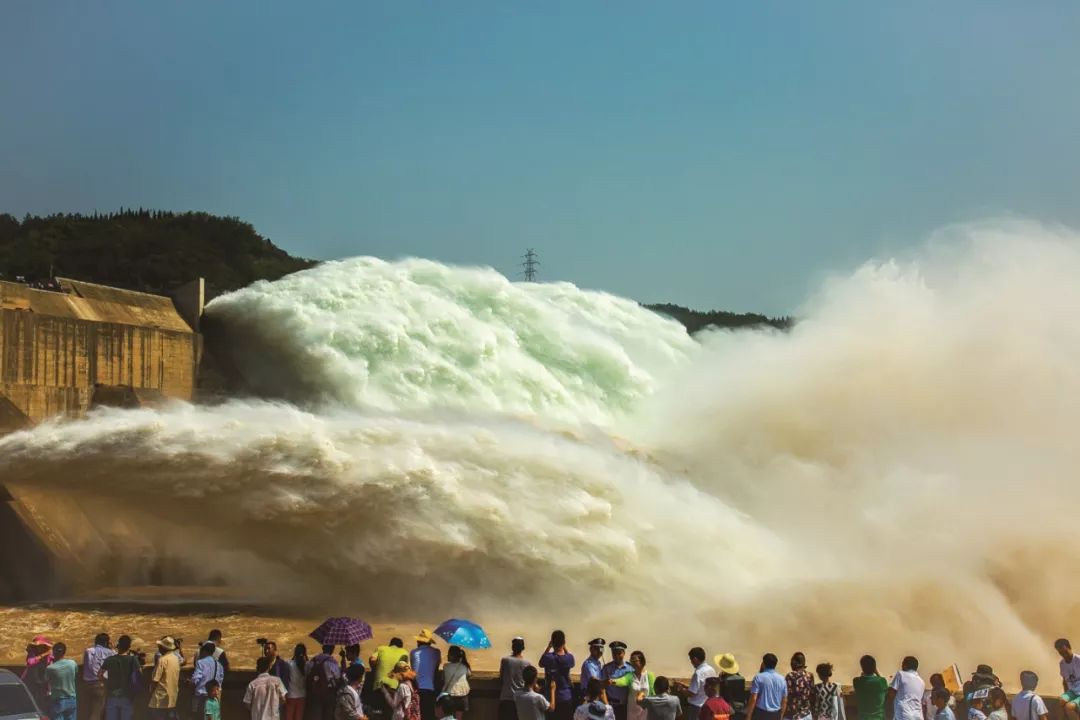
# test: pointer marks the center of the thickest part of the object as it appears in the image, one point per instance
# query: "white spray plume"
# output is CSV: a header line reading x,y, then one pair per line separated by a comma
x,y
415,334
894,475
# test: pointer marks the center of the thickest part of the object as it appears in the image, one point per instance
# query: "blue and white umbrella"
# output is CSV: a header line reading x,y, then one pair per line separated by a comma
x,y
464,633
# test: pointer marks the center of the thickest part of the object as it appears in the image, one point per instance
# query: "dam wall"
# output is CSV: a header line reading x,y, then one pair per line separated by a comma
x,y
57,349
63,352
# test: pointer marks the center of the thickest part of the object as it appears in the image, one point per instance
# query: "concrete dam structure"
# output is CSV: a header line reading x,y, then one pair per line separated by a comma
x,y
64,351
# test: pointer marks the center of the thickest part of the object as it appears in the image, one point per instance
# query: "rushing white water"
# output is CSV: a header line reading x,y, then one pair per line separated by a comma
x,y
896,474
415,335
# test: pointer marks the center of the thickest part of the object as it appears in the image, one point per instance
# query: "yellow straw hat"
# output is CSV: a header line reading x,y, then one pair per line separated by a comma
x,y
725,663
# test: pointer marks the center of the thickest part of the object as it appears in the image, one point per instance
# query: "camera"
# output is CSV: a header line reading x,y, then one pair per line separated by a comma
x,y
261,641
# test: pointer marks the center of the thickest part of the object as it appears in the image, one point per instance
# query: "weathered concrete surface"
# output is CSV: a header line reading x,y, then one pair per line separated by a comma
x,y
55,348
62,353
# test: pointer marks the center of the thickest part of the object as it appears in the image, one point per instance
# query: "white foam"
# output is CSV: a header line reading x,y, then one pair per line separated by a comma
x,y
894,475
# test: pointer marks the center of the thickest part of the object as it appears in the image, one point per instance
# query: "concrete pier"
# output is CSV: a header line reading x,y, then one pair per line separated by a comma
x,y
63,352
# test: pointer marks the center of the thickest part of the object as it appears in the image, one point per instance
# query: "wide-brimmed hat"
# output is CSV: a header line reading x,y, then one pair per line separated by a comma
x,y
167,643
425,636
725,663
42,641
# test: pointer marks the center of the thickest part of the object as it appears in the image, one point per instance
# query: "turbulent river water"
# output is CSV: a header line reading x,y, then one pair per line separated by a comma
x,y
894,475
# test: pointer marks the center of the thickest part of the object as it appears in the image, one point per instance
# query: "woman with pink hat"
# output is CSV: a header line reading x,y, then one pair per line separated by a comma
x,y
38,657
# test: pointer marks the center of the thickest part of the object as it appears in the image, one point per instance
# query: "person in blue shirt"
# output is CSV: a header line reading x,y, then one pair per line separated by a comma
x,y
425,661
768,692
593,666
618,667
557,663
323,680
206,669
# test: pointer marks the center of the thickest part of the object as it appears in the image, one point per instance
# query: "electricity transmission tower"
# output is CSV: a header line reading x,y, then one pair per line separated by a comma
x,y
530,265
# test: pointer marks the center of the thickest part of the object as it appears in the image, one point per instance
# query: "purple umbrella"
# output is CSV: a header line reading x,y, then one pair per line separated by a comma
x,y
342,631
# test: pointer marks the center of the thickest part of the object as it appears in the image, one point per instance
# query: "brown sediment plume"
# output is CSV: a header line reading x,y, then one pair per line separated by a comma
x,y
875,480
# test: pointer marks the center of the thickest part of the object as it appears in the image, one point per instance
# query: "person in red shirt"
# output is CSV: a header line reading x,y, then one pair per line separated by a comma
x,y
715,707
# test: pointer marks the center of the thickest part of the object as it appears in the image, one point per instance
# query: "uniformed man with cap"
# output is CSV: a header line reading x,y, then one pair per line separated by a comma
x,y
593,666
618,696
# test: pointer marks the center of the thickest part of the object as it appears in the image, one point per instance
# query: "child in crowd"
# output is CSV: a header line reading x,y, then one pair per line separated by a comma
x,y
715,707
660,706
530,704
998,700
937,681
976,703
405,701
942,711
828,705
212,710
444,707
595,706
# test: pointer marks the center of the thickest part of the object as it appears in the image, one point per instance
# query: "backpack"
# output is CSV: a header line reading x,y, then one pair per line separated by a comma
x,y
412,710
319,682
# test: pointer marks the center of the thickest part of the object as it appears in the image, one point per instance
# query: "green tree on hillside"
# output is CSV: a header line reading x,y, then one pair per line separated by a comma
x,y
695,320
149,250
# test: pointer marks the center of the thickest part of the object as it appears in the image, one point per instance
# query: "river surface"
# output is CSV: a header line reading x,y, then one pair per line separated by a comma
x,y
77,624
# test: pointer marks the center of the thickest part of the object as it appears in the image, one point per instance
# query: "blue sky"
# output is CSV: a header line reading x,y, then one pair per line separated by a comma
x,y
720,155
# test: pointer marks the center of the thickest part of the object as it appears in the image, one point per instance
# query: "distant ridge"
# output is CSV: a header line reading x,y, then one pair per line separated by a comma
x,y
148,250
159,250
695,320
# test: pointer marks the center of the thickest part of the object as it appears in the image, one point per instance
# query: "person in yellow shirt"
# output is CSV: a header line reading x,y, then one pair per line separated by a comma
x,y
382,663
384,660
166,681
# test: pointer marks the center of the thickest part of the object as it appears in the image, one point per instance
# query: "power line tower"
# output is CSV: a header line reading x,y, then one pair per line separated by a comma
x,y
530,265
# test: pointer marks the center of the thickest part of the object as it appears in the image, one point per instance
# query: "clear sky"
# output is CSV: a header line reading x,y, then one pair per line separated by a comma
x,y
715,154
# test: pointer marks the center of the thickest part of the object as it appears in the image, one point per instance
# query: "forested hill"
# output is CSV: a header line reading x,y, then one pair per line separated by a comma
x,y
695,320
149,250
157,251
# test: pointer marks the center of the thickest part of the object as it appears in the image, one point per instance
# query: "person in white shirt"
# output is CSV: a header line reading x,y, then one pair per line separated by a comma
x,y
405,696
348,705
1027,705
296,698
695,691
530,704
219,651
1070,678
265,694
906,691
